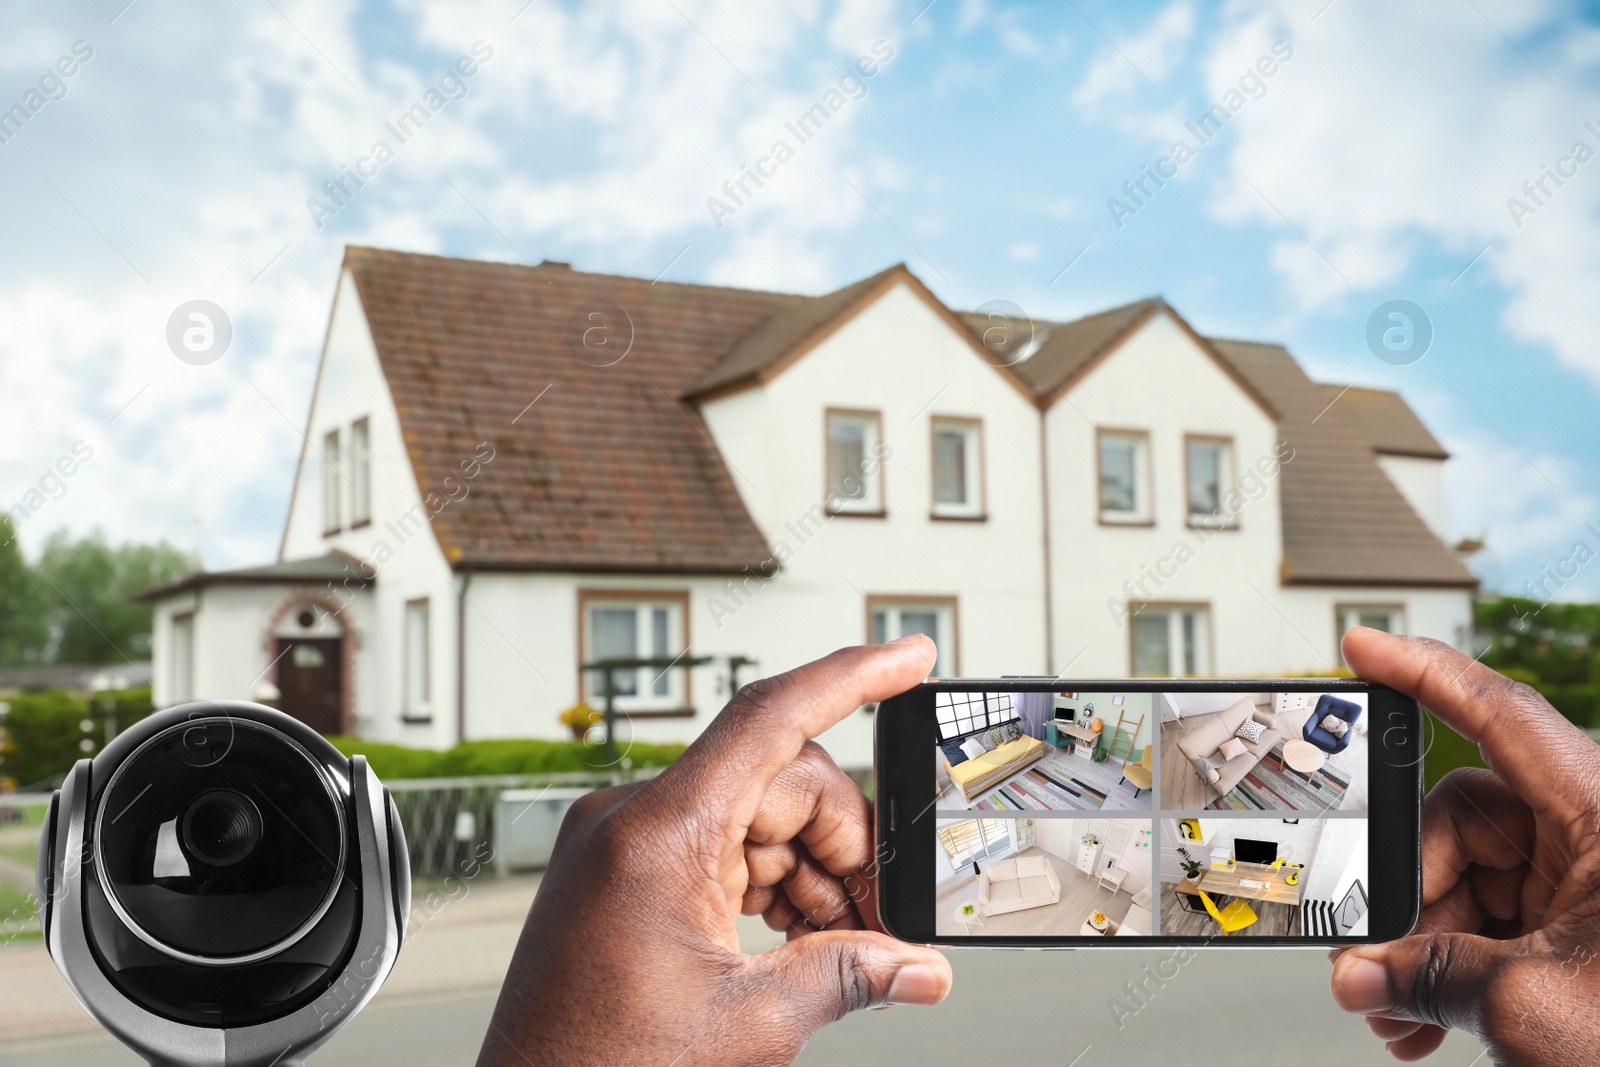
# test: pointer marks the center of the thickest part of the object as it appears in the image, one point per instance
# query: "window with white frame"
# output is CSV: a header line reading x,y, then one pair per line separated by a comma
x,y
963,713
855,477
1210,471
331,476
182,680
957,468
933,616
974,840
1390,618
418,668
1124,476
1171,642
628,628
360,473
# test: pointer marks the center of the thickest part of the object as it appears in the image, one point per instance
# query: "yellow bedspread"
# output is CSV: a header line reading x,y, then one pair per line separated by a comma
x,y
995,759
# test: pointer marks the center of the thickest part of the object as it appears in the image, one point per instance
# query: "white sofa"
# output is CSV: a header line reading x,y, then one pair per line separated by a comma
x,y
1017,884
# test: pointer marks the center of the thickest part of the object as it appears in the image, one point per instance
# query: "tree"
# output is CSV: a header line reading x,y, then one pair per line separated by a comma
x,y
89,587
24,624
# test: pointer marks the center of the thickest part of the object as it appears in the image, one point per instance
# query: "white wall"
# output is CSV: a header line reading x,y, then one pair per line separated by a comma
x,y
1421,482
1060,837
399,543
1341,859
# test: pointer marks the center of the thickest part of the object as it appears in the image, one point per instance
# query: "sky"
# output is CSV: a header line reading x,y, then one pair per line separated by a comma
x,y
1393,152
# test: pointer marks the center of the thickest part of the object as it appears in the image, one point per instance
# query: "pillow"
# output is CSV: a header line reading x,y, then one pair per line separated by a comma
x,y
1232,748
1028,866
1002,870
1250,730
1334,725
973,748
997,737
1013,732
1207,768
953,754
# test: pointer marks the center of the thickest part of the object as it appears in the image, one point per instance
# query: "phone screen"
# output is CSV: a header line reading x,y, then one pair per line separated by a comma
x,y
1136,813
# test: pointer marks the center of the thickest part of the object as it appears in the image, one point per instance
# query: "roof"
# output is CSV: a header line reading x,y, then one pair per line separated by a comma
x,y
611,471
333,567
1385,421
1344,522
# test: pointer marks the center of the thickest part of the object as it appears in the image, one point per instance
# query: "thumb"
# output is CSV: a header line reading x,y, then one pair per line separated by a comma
x,y
1453,980
822,977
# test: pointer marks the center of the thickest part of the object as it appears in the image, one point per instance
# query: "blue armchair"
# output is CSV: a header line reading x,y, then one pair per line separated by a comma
x,y
1328,704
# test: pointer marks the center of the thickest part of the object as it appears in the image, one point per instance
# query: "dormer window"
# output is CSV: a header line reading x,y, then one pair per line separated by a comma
x,y
855,473
1124,477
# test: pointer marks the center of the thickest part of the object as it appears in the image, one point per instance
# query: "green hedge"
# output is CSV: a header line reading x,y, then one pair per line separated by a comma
x,y
507,756
43,731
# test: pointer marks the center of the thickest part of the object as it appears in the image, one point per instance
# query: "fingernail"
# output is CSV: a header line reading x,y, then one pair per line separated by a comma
x,y
1362,986
917,983
907,639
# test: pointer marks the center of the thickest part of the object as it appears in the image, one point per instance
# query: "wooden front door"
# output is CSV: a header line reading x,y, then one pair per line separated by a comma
x,y
311,681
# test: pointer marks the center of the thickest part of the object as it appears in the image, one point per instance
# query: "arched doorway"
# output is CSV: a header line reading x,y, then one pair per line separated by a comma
x,y
309,654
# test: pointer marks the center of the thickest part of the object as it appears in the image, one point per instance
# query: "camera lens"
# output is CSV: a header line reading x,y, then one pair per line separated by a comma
x,y
220,839
221,827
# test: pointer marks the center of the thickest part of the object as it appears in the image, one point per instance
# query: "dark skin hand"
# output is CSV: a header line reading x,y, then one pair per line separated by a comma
x,y
1508,941
629,954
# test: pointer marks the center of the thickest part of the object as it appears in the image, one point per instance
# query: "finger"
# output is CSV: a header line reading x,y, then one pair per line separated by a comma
x,y
1387,1030
1538,753
757,899
783,915
1472,819
1420,1045
715,788
770,864
822,977
1447,979
814,800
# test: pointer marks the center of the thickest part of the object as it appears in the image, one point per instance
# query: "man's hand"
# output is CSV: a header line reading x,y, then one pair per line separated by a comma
x,y
1510,929
629,954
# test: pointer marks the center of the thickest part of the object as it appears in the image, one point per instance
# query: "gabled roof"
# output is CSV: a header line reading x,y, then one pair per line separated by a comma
x,y
317,570
1344,522
608,469
1386,422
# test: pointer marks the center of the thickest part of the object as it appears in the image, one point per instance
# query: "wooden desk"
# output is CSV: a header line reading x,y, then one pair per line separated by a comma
x,y
1226,883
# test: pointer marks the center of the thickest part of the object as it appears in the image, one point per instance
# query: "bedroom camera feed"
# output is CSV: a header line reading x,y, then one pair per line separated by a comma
x,y
1283,877
1034,751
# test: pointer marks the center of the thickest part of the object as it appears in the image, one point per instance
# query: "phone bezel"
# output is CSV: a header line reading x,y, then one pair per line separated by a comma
x,y
904,731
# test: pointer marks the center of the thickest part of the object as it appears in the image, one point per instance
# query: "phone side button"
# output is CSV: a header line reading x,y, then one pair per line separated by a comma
x,y
894,815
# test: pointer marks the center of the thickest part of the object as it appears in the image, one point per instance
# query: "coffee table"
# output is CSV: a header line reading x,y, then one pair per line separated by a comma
x,y
967,921
1304,757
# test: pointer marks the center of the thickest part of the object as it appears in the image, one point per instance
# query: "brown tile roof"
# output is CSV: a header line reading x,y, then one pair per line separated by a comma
x,y
1344,522
1386,421
610,470
1064,349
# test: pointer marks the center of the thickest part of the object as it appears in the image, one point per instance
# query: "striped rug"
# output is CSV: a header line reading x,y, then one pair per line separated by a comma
x,y
1316,919
1272,786
1047,785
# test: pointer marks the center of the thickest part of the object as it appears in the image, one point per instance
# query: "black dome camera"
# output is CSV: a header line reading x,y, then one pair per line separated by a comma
x,y
220,885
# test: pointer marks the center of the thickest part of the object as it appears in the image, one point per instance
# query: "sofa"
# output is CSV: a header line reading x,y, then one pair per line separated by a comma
x,y
1203,739
1328,704
1017,884
974,775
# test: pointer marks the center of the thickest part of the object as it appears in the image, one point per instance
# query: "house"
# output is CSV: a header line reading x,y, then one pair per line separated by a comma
x,y
510,471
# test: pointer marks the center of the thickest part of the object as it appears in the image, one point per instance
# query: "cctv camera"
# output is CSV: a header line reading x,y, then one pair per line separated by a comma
x,y
220,885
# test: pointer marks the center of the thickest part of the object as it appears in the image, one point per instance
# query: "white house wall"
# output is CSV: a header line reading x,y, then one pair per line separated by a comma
x,y
1421,482
350,386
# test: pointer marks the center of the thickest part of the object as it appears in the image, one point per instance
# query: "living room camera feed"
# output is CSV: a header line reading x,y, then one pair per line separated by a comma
x,y
1046,877
1280,877
1020,752
1251,752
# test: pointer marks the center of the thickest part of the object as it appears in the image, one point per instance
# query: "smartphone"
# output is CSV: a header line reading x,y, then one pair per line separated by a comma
x,y
1037,812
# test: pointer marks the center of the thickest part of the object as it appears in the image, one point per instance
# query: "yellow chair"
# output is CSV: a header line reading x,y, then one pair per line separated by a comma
x,y
1138,774
1236,916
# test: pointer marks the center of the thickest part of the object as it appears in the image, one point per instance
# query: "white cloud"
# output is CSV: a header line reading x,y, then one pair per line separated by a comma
x,y
1122,69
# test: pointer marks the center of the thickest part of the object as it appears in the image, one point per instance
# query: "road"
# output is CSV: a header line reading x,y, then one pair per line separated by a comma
x,y
1272,1005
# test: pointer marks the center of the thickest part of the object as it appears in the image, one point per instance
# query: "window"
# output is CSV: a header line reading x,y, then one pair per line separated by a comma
x,y
965,713
360,473
855,476
1124,477
957,468
418,697
182,659
892,617
1210,469
975,839
1390,618
330,482
1170,642
635,626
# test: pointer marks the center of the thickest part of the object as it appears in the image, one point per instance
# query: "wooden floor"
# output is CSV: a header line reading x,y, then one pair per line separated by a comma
x,y
1080,898
1103,776
1272,920
1182,789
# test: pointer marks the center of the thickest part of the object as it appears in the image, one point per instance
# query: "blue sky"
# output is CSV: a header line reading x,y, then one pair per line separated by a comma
x,y
1374,163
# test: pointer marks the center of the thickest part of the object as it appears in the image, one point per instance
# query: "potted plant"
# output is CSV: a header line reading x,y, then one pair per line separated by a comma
x,y
1090,839
580,718
1191,866
969,910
